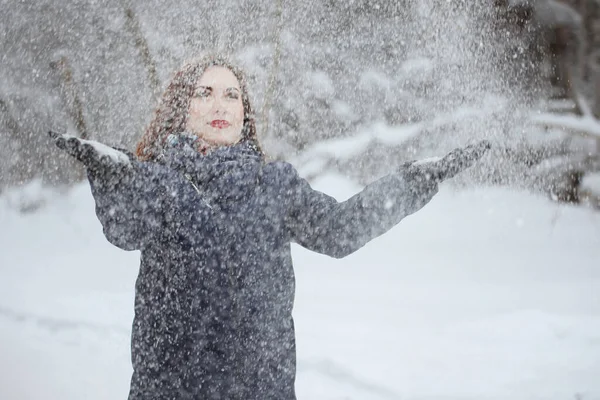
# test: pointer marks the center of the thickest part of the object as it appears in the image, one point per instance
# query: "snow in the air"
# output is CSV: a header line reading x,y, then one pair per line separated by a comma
x,y
487,293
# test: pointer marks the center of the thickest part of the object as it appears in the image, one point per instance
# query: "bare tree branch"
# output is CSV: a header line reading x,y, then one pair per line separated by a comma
x,y
275,67
133,26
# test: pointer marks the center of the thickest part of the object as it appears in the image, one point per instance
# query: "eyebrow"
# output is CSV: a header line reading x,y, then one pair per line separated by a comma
x,y
210,88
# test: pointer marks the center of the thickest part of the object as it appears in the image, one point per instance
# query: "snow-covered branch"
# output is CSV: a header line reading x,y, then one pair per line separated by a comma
x,y
325,153
586,126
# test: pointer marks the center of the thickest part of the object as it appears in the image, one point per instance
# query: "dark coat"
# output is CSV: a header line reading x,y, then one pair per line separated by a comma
x,y
215,291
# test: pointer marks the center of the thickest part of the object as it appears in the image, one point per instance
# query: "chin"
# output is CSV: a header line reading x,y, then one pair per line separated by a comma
x,y
221,141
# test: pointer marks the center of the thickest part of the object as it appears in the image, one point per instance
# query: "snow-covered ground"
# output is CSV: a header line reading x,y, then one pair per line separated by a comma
x,y
484,294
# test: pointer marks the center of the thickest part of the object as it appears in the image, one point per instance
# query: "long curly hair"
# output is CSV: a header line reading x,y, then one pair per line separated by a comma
x,y
170,117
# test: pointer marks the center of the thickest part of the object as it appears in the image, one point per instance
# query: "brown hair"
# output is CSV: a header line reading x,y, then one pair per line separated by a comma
x,y
171,115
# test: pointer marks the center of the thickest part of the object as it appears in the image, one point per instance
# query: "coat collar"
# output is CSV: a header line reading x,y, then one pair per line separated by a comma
x,y
224,175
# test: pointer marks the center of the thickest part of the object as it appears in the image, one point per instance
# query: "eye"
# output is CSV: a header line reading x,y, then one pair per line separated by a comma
x,y
202,93
233,95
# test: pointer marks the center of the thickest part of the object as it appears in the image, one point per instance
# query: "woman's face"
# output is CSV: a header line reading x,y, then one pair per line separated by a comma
x,y
216,111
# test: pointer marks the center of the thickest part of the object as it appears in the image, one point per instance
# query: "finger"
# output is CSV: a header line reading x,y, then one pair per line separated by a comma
x,y
462,158
473,153
59,140
486,144
481,148
54,135
470,153
61,143
73,147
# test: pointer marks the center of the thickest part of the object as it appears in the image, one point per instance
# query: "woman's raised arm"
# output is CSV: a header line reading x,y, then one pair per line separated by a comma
x,y
322,224
127,199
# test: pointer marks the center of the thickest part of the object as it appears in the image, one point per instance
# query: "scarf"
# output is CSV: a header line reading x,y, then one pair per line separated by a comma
x,y
225,175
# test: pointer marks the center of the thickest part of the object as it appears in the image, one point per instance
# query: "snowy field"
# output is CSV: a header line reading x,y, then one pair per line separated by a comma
x,y
484,294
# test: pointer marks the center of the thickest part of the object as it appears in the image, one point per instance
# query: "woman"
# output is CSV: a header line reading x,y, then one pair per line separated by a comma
x,y
214,222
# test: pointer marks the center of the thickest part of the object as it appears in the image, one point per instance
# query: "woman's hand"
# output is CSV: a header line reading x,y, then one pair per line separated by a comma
x,y
426,175
452,163
99,159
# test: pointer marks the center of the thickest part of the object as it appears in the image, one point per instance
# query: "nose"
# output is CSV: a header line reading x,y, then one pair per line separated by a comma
x,y
217,107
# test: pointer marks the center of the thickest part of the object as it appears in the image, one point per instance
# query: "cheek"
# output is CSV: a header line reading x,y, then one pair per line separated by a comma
x,y
239,113
199,108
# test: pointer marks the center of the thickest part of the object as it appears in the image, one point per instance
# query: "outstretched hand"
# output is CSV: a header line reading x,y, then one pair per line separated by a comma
x,y
98,158
452,163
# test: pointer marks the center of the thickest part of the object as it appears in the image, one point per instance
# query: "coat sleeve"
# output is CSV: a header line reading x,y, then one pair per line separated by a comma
x,y
128,205
318,222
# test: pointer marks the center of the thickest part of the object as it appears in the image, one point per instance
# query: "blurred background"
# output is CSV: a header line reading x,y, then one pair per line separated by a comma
x,y
402,79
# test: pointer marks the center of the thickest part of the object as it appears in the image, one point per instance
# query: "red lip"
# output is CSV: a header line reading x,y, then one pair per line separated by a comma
x,y
219,123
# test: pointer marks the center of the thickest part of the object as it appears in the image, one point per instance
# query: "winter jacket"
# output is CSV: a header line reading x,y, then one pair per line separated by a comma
x,y
215,291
